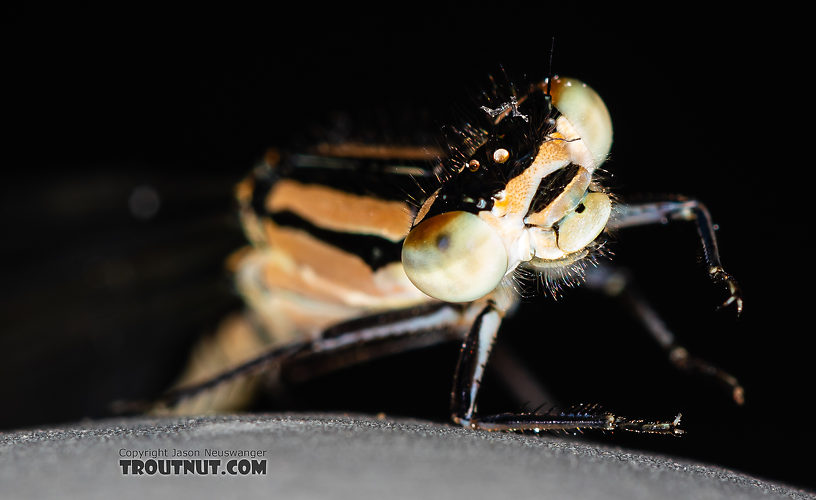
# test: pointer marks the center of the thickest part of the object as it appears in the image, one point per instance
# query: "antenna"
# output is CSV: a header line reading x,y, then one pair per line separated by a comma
x,y
550,65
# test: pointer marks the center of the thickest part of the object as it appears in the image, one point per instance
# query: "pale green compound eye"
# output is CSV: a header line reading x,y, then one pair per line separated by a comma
x,y
454,257
580,227
587,114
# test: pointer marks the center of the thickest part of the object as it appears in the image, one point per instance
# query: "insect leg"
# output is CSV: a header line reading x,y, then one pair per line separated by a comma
x,y
467,379
628,215
617,283
439,321
471,364
367,338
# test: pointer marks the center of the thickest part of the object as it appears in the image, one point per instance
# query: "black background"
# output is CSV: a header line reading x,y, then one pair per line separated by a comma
x,y
99,305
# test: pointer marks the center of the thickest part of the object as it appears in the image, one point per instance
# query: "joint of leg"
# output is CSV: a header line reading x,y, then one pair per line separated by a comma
x,y
464,422
715,270
679,356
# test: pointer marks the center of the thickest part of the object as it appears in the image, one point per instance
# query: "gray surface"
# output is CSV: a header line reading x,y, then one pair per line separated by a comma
x,y
352,457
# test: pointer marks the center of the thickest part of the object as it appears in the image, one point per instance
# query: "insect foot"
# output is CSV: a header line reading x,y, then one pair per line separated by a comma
x,y
576,419
734,293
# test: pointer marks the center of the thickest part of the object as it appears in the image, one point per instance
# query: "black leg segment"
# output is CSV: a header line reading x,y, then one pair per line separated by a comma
x,y
470,370
628,215
617,283
373,336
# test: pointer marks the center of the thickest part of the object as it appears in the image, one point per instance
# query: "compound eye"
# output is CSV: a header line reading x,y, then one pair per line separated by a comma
x,y
455,257
580,227
587,114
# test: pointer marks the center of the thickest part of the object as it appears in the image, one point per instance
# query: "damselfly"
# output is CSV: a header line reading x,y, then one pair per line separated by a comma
x,y
361,250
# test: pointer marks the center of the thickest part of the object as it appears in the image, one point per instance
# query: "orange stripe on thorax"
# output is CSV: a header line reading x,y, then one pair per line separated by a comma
x,y
340,211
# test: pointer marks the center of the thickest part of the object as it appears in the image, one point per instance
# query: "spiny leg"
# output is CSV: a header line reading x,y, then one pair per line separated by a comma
x,y
629,215
617,283
468,376
373,337
409,328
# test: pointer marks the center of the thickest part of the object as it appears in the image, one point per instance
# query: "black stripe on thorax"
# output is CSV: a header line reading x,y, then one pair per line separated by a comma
x,y
383,179
389,180
375,251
